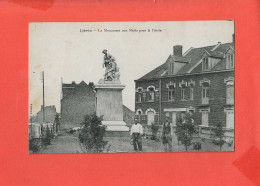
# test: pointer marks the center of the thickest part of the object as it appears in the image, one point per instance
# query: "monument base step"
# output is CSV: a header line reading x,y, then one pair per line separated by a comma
x,y
117,128
117,134
114,123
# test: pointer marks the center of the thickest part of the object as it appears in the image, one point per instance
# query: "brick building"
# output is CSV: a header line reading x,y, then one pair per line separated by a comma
x,y
77,101
201,81
49,112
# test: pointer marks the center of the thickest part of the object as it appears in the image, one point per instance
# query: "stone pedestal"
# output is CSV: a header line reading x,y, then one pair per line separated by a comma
x,y
109,105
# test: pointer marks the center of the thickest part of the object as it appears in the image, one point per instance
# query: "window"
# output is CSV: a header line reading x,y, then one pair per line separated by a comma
x,y
230,61
205,95
191,93
230,118
205,84
229,90
139,89
230,94
139,98
205,64
171,93
171,70
182,94
191,85
150,96
205,92
139,94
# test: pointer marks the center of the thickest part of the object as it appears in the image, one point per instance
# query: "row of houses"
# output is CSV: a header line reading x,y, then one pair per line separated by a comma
x,y
200,81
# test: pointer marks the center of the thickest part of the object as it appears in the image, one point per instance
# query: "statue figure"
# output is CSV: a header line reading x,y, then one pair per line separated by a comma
x,y
112,71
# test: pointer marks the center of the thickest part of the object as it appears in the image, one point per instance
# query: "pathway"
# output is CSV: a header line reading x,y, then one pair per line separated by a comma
x,y
63,143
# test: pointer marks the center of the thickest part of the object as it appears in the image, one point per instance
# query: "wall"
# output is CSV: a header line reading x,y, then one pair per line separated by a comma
x,y
145,105
76,105
50,112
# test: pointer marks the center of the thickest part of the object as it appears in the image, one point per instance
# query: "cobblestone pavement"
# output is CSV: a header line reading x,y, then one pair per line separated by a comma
x,y
63,143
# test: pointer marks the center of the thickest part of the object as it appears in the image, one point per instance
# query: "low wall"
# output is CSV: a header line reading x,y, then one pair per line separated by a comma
x,y
205,132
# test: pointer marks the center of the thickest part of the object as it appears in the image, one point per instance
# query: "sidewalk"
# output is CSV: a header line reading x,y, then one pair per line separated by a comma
x,y
122,144
63,143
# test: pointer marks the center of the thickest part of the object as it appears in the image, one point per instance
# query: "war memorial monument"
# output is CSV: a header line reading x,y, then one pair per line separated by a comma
x,y
109,98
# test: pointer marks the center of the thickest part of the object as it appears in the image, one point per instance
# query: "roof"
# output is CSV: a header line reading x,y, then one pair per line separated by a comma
x,y
73,88
192,59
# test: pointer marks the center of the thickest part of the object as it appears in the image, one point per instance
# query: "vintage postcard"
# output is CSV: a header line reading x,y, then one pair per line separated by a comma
x,y
108,87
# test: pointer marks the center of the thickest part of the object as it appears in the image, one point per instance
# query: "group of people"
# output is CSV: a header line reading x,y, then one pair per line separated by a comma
x,y
136,133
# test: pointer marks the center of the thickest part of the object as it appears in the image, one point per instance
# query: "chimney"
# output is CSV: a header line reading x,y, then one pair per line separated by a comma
x,y
177,50
73,82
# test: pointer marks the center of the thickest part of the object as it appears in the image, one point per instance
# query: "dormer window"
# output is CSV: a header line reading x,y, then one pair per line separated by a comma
x,y
230,61
205,64
171,70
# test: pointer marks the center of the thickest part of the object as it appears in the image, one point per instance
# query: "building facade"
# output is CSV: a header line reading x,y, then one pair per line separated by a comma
x,y
77,101
200,81
49,113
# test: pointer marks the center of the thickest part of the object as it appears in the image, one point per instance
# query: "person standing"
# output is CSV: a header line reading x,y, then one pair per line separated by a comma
x,y
136,134
167,133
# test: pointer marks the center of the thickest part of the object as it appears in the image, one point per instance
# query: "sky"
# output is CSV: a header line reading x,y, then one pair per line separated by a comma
x,y
66,54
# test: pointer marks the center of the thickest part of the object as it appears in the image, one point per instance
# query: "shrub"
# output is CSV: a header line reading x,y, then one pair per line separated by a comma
x,y
184,130
218,135
197,146
92,133
34,144
47,137
155,129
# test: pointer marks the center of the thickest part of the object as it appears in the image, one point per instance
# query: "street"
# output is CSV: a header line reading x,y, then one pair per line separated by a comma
x,y
69,143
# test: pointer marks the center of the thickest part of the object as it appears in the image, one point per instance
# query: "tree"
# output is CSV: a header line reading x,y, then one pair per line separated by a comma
x,y
92,133
184,130
218,135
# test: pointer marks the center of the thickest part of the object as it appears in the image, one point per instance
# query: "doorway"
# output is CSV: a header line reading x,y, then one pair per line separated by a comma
x,y
150,117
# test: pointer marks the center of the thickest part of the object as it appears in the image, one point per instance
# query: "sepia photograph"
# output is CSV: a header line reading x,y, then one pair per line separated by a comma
x,y
127,87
